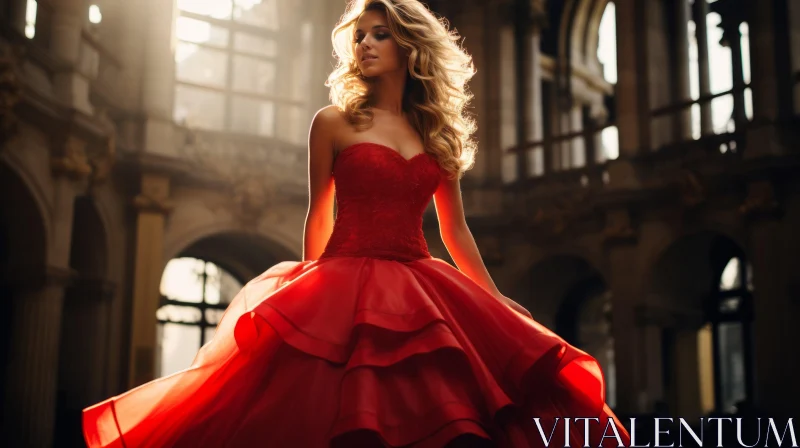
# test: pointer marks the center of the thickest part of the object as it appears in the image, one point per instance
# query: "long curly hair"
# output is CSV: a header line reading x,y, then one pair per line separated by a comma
x,y
436,92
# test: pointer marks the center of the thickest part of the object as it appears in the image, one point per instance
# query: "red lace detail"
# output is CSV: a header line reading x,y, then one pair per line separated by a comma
x,y
380,199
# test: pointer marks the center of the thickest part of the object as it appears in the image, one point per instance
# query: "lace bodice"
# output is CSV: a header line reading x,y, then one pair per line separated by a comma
x,y
380,198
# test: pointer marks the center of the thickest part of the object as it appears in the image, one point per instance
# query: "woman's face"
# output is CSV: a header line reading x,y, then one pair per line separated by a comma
x,y
376,50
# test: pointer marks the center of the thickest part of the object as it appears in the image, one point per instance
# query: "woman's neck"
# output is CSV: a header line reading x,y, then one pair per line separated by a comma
x,y
387,94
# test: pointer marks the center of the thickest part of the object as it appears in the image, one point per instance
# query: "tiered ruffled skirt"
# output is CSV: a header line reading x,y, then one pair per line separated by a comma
x,y
364,352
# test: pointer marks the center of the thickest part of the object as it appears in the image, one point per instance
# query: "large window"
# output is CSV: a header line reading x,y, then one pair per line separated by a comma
x,y
227,69
194,295
607,55
720,68
730,312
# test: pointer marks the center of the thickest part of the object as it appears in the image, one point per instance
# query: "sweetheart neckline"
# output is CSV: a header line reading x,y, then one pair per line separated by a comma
x,y
387,148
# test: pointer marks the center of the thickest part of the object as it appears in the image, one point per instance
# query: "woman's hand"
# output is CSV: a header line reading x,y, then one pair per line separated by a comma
x,y
514,305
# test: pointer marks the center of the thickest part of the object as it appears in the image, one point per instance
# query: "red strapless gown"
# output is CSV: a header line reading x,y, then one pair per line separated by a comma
x,y
374,344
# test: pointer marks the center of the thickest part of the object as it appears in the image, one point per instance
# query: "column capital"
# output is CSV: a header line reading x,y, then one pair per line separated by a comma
x,y
92,288
84,154
154,195
31,277
761,201
669,317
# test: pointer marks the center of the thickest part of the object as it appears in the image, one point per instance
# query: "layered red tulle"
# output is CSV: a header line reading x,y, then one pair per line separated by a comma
x,y
363,352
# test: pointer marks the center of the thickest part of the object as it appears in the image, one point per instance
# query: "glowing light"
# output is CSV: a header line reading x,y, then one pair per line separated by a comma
x,y
607,44
95,16
30,19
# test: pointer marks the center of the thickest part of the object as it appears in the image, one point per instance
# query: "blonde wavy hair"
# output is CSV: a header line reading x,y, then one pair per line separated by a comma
x,y
436,93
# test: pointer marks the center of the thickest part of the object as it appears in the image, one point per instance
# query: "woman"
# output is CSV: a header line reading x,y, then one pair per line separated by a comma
x,y
370,341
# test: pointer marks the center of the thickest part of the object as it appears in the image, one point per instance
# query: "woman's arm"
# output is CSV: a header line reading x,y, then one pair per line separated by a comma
x,y
319,220
459,241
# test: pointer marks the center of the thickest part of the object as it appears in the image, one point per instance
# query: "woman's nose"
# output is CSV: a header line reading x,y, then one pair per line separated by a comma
x,y
364,43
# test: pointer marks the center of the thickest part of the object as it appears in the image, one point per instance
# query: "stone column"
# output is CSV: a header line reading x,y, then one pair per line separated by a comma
x,y
577,144
770,78
699,13
522,56
325,14
504,99
534,120
494,72
34,354
29,409
84,344
683,119
773,246
628,342
763,54
625,284
632,84
158,82
153,205
72,82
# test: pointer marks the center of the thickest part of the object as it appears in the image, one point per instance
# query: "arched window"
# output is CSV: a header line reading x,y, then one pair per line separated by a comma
x,y
227,67
194,295
721,78
607,55
730,313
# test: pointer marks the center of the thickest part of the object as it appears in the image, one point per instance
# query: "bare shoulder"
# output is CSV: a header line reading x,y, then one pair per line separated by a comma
x,y
324,133
330,112
327,120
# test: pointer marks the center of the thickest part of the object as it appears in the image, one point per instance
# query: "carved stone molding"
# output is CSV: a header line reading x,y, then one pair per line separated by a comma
x,y
559,215
32,277
252,173
10,91
84,158
693,192
761,201
618,228
147,203
154,197
72,160
87,289
103,154
252,196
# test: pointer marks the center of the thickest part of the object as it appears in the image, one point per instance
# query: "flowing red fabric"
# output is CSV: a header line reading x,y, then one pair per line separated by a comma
x,y
374,344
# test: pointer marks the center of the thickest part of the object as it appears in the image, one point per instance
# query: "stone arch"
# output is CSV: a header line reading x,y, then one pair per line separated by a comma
x,y
579,32
552,279
593,34
24,215
685,259
244,255
188,309
683,293
193,242
578,305
23,252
